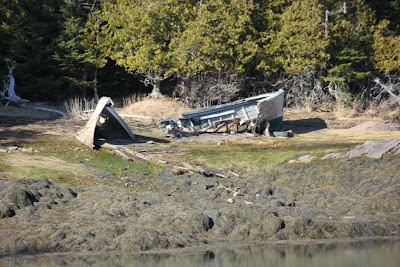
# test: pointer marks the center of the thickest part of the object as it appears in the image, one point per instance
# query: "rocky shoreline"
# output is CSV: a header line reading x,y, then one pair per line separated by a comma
x,y
340,198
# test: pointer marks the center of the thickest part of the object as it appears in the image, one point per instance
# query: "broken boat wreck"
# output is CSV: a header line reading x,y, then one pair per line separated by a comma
x,y
104,124
259,114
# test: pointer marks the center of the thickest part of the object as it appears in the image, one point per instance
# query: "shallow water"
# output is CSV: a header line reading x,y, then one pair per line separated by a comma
x,y
362,253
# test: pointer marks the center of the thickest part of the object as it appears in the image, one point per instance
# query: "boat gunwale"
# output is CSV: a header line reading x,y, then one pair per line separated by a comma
x,y
238,103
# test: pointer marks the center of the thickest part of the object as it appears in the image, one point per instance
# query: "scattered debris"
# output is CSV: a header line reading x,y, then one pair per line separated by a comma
x,y
59,112
14,149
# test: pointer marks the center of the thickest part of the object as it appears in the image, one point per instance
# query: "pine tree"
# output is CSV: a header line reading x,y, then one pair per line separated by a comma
x,y
220,37
295,40
386,48
70,53
350,27
139,34
30,28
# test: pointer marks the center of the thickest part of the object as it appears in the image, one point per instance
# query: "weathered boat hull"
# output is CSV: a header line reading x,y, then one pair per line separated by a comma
x,y
250,114
114,125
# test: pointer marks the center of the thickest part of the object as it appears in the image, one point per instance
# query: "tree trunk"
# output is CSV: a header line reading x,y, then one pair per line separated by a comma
x,y
11,86
326,24
185,87
156,92
9,89
83,88
96,95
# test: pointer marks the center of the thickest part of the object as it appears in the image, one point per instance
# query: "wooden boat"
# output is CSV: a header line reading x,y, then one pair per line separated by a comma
x,y
113,126
256,114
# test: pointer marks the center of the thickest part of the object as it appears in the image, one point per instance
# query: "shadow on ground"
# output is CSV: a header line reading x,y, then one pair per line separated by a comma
x,y
139,139
304,125
6,134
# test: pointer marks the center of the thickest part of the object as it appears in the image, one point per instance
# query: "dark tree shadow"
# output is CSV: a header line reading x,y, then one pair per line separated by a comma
x,y
6,134
304,125
17,134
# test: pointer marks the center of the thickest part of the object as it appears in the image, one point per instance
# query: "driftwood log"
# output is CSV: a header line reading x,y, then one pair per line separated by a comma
x,y
8,93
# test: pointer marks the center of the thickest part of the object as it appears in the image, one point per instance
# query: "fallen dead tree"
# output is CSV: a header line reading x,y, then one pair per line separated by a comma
x,y
8,93
129,154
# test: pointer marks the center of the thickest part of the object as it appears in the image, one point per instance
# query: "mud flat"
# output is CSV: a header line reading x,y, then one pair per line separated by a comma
x,y
327,199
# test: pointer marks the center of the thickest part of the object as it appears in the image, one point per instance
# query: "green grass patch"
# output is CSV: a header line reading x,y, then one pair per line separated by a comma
x,y
71,163
250,157
104,159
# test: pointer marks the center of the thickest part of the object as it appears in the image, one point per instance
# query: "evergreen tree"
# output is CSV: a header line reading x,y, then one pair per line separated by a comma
x,y
387,10
139,34
29,29
80,51
95,49
70,53
386,48
295,40
350,27
219,37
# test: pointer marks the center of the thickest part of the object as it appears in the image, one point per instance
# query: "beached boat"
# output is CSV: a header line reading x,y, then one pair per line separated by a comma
x,y
256,114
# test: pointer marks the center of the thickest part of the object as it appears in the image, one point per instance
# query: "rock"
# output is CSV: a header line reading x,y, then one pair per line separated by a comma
x,y
376,125
237,194
282,133
27,150
6,211
3,150
376,148
332,155
150,142
306,158
336,199
178,171
12,149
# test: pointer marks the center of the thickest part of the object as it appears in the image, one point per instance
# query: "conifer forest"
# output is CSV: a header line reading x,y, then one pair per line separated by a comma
x,y
324,53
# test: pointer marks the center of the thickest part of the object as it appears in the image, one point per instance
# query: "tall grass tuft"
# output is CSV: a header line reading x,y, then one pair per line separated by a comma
x,y
133,98
78,107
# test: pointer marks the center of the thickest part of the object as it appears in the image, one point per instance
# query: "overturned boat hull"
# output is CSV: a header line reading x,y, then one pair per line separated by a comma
x,y
254,114
113,126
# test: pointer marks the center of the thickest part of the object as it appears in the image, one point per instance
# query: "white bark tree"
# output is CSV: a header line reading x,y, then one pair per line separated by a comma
x,y
8,94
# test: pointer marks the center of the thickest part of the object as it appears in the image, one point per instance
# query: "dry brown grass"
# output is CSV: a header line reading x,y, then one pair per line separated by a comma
x,y
79,107
156,108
